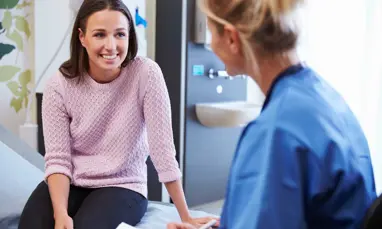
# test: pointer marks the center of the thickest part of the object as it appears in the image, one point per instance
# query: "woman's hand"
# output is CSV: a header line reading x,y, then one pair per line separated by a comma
x,y
180,226
63,221
175,190
192,223
198,222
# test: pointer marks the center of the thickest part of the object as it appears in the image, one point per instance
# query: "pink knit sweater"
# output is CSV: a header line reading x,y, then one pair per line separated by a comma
x,y
101,135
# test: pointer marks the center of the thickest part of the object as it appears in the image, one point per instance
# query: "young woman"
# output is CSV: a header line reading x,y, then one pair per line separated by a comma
x,y
304,162
100,124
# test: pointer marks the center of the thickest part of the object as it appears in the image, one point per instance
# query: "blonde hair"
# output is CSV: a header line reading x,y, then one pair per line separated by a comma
x,y
268,25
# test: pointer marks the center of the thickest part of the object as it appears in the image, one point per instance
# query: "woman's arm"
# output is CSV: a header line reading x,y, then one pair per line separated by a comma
x,y
157,114
57,143
176,192
59,193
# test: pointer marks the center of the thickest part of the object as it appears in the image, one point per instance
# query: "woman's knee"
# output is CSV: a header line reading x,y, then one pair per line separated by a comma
x,y
38,211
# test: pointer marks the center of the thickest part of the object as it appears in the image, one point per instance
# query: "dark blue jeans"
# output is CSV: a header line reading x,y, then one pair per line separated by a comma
x,y
103,208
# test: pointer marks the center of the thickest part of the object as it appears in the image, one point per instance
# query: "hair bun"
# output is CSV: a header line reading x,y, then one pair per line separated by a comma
x,y
282,6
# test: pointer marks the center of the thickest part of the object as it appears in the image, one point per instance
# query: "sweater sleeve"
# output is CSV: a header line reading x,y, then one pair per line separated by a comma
x,y
157,114
56,130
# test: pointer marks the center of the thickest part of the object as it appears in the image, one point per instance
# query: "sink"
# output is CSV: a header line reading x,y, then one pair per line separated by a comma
x,y
227,114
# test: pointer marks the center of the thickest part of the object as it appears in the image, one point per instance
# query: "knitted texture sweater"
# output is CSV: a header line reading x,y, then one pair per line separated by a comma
x,y
100,135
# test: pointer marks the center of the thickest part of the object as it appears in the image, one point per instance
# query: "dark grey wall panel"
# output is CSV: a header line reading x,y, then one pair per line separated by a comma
x,y
168,54
170,57
208,151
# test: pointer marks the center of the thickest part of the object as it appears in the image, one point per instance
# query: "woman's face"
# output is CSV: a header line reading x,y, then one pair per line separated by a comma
x,y
106,40
227,46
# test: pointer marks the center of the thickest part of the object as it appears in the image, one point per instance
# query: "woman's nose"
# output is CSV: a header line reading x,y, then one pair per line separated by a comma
x,y
110,43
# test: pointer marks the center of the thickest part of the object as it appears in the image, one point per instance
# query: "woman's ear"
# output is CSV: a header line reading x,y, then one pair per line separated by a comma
x,y
233,39
81,36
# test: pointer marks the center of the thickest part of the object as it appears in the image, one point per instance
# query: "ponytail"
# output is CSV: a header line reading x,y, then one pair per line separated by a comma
x,y
281,7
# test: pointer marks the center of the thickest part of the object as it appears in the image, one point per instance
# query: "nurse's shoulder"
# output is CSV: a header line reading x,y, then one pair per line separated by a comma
x,y
312,111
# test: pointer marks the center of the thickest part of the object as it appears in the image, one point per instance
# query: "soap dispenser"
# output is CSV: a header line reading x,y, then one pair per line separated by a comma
x,y
202,35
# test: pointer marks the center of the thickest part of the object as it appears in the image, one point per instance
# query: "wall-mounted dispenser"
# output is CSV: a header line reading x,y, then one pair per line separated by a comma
x,y
202,35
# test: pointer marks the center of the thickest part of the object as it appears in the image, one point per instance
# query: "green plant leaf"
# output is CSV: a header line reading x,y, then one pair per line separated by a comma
x,y
26,101
24,4
16,103
24,91
8,4
16,37
7,20
5,49
25,78
23,25
7,72
14,87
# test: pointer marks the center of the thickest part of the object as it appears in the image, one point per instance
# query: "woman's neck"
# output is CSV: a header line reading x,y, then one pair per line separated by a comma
x,y
269,68
103,76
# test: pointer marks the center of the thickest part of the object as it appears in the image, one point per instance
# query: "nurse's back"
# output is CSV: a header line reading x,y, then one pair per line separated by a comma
x,y
303,163
338,144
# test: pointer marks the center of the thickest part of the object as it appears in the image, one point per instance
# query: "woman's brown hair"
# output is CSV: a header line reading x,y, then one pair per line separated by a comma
x,y
78,63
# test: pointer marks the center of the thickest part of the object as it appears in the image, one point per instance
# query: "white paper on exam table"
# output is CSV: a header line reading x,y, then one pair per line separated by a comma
x,y
125,226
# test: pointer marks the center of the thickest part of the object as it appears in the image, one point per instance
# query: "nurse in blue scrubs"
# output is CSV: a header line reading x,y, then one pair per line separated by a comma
x,y
305,161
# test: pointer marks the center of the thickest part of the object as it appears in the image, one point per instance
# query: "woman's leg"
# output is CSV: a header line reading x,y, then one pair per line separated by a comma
x,y
38,211
106,208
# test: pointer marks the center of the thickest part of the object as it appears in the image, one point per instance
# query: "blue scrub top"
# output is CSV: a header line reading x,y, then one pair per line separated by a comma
x,y
303,163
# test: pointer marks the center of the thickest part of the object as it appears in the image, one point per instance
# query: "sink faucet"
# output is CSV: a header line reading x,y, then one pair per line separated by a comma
x,y
221,74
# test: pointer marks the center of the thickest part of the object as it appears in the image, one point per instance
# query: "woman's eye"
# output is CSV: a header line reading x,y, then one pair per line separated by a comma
x,y
121,34
98,35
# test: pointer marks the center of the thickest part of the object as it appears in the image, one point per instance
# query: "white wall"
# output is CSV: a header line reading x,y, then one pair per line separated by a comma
x,y
49,37
254,94
12,114
150,33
